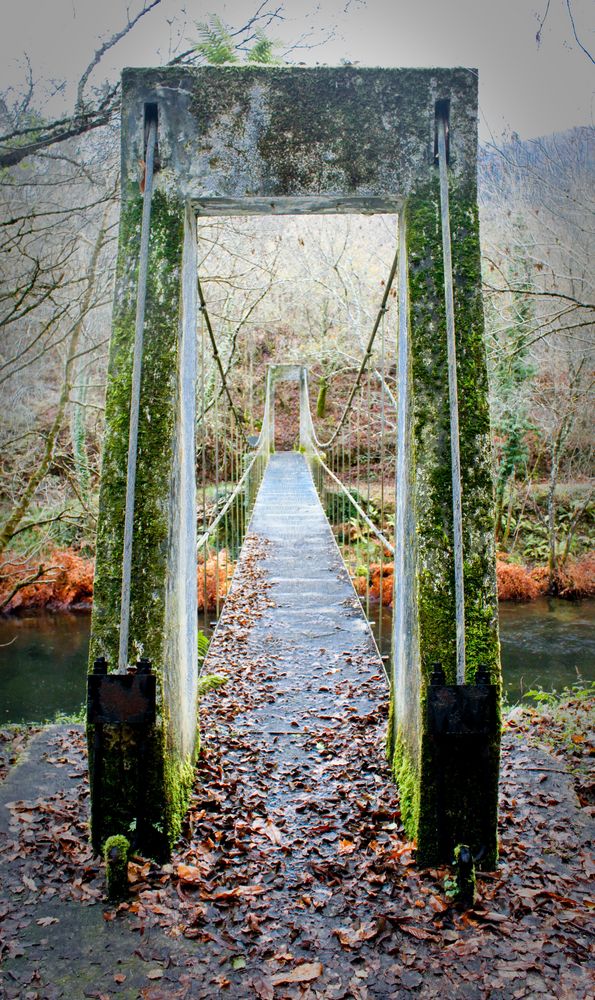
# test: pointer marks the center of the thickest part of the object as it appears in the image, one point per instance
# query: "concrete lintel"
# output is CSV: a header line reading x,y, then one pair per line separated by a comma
x,y
277,138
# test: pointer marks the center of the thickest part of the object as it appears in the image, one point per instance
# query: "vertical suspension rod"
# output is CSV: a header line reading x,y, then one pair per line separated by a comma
x,y
402,494
137,366
457,514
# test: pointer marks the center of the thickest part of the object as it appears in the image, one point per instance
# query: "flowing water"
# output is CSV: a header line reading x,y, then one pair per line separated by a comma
x,y
43,658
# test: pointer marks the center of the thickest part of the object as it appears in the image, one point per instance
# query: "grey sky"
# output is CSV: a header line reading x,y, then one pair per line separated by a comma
x,y
529,89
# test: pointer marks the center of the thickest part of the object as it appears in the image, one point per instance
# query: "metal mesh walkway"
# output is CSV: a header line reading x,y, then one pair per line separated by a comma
x,y
313,622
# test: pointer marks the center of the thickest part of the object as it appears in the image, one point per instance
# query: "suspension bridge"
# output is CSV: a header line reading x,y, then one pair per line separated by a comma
x,y
187,474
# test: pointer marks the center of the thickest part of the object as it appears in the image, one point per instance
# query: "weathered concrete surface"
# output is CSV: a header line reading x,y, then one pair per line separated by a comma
x,y
36,776
454,788
277,139
163,625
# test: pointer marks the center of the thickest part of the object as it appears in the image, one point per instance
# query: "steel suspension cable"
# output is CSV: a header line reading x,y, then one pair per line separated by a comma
x,y
234,338
137,367
457,513
366,357
203,308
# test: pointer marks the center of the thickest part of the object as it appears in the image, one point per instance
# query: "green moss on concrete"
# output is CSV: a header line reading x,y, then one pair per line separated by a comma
x,y
166,778
431,431
115,855
406,774
449,786
179,781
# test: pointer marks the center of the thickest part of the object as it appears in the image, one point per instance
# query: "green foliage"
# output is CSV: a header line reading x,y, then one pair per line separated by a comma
x,y
76,718
511,374
581,691
210,683
321,401
527,532
339,508
263,50
560,720
217,45
203,646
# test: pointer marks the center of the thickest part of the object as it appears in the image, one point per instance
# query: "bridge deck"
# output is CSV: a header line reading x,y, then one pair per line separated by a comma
x,y
293,775
314,622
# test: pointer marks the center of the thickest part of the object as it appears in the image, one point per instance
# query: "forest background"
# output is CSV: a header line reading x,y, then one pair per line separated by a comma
x,y
282,289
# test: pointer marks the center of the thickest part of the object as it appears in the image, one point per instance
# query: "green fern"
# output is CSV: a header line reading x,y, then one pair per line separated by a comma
x,y
203,646
216,43
210,683
263,50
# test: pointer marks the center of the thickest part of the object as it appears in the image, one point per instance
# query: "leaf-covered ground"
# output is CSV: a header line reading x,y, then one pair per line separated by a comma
x,y
293,878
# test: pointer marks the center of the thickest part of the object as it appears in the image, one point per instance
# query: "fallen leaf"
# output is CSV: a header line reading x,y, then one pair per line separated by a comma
x,y
350,937
263,989
268,829
301,974
190,874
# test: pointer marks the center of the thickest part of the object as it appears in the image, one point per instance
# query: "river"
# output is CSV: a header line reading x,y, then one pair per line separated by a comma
x,y
43,657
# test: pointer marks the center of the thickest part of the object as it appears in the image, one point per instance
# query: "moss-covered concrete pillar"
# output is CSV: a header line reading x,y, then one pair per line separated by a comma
x,y
141,775
446,765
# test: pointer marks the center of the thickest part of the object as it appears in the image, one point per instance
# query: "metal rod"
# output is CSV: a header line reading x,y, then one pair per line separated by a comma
x,y
402,472
137,366
457,514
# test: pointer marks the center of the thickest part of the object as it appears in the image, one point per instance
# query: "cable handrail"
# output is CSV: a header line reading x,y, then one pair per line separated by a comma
x,y
203,539
380,536
262,446
315,447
